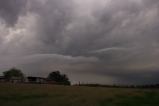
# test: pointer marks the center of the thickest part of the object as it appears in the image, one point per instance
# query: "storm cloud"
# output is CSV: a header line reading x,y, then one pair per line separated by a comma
x,y
102,41
11,9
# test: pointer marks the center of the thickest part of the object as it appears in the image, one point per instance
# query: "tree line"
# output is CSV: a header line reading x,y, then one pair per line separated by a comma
x,y
53,76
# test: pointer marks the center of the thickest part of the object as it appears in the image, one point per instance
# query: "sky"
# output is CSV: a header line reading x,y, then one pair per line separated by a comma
x,y
92,41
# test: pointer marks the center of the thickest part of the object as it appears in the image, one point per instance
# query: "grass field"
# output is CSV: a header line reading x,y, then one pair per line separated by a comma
x,y
50,95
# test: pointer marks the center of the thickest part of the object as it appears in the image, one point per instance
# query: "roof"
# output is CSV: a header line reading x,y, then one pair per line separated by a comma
x,y
2,77
30,77
16,78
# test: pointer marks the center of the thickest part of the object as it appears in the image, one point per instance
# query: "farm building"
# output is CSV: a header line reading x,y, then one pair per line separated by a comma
x,y
2,79
30,79
35,80
16,80
11,80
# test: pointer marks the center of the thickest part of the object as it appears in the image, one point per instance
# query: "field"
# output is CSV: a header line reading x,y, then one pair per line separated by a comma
x,y
51,95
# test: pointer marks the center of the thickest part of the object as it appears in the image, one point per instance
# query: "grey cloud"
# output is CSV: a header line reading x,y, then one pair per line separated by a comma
x,y
108,49
54,16
11,9
115,40
67,64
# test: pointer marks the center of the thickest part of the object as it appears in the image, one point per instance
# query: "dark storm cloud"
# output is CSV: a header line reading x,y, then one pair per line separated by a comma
x,y
52,23
112,41
11,9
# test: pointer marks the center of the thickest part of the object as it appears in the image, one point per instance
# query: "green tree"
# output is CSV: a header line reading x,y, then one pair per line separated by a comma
x,y
59,78
13,73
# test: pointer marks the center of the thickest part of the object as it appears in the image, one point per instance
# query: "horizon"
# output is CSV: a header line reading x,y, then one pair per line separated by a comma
x,y
104,41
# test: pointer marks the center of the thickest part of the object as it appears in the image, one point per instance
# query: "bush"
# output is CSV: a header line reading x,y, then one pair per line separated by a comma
x,y
59,78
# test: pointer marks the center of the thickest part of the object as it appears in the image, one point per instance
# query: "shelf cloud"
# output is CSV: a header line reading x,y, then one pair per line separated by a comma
x,y
104,41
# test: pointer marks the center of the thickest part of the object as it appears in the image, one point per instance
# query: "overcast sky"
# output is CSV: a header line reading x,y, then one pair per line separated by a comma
x,y
95,41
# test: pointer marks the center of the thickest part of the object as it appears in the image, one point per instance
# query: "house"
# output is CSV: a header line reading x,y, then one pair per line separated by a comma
x,y
2,79
39,80
30,79
16,80
11,80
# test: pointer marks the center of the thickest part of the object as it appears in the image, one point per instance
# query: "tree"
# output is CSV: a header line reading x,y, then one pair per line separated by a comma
x,y
59,78
13,73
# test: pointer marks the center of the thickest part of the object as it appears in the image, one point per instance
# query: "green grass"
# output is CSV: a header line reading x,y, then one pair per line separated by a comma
x,y
51,95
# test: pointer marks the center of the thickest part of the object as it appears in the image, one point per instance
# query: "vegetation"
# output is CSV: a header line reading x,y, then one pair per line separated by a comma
x,y
13,73
58,77
51,95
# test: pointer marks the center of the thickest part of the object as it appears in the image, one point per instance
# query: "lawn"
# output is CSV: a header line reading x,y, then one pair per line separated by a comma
x,y
51,95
